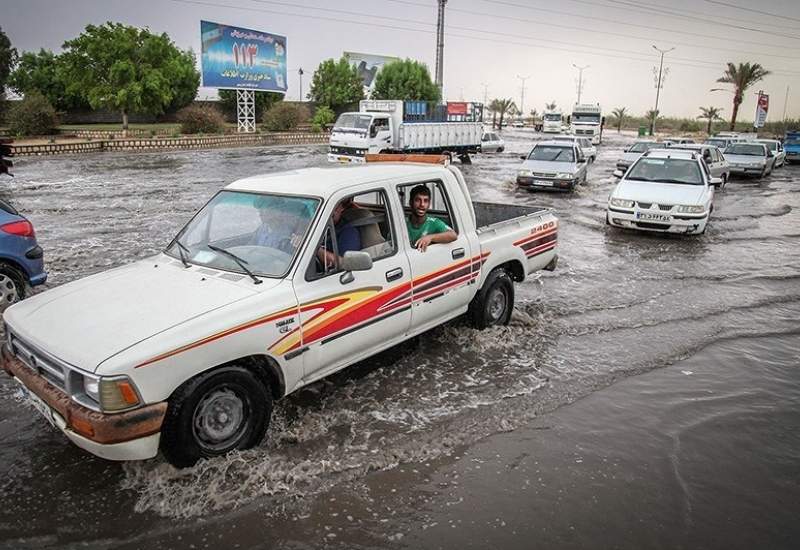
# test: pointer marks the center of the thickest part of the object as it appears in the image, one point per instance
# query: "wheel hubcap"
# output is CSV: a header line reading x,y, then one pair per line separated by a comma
x,y
8,291
497,304
219,419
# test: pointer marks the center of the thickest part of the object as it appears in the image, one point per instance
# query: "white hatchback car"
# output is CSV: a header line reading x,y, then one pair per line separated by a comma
x,y
492,143
664,191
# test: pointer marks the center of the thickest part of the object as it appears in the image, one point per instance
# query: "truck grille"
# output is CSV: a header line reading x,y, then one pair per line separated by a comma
x,y
584,132
353,151
40,363
649,205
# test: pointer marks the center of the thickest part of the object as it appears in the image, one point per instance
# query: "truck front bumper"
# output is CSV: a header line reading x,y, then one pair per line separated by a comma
x,y
130,435
344,159
690,224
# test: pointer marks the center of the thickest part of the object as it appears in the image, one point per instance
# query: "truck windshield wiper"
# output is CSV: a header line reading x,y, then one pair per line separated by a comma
x,y
242,263
182,251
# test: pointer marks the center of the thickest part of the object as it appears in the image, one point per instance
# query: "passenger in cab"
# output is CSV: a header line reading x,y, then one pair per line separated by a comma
x,y
347,236
424,230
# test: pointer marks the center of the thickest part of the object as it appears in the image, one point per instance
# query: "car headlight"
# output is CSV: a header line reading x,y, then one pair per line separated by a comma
x,y
564,176
622,203
691,209
525,173
112,394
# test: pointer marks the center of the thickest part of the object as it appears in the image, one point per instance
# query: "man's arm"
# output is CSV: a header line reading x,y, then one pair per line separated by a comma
x,y
443,235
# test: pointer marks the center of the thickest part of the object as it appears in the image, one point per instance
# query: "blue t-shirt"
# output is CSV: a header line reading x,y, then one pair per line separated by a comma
x,y
348,238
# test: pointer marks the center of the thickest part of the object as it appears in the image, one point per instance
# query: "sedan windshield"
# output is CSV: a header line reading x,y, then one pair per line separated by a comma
x,y
263,231
746,149
552,153
352,120
643,146
721,143
666,170
771,145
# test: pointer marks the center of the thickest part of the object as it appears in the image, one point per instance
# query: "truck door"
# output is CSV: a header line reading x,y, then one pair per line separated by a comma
x,y
346,316
443,275
380,134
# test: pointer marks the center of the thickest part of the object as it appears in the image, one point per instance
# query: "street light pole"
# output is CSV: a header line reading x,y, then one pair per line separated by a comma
x,y
658,87
580,80
522,99
300,72
485,98
440,47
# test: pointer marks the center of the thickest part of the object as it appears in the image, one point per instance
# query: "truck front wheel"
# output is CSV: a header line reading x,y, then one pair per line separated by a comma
x,y
493,303
213,414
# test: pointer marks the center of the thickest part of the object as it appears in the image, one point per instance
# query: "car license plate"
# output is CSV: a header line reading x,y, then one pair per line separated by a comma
x,y
40,405
653,217
544,183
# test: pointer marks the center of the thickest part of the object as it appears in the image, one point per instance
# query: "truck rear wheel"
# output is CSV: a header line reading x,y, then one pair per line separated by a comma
x,y
494,302
213,414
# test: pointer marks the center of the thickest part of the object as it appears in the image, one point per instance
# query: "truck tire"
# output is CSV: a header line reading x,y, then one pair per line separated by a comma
x,y
494,302
214,413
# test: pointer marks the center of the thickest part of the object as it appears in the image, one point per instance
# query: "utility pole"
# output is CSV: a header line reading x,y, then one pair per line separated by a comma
x,y
522,98
580,80
658,87
485,98
300,72
785,103
440,48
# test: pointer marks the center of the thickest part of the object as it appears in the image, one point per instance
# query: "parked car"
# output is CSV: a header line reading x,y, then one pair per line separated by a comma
x,y
632,153
791,145
750,159
722,143
21,257
667,191
492,143
186,351
714,159
586,146
553,165
776,147
676,140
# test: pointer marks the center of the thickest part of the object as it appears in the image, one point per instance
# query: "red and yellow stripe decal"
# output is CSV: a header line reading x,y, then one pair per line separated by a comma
x,y
342,313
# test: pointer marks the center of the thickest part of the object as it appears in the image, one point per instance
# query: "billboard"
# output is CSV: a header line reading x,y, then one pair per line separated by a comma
x,y
761,110
368,65
238,58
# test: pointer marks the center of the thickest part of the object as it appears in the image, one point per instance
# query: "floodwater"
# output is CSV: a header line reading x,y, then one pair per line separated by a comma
x,y
645,394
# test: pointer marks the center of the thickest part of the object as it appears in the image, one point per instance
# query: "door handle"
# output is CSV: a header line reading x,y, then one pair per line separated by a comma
x,y
457,253
394,274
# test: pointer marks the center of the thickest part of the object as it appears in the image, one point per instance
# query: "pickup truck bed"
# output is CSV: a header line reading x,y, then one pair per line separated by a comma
x,y
488,214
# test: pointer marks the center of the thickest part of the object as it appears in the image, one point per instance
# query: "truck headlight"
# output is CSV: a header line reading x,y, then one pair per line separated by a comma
x,y
564,176
112,394
621,203
691,209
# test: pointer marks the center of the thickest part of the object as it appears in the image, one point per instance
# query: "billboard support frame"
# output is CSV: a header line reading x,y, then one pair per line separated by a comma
x,y
246,111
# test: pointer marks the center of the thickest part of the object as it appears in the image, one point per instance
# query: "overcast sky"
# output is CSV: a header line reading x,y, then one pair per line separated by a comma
x,y
489,41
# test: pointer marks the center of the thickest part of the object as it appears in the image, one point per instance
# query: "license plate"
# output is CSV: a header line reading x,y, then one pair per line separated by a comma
x,y
40,406
344,160
544,183
652,217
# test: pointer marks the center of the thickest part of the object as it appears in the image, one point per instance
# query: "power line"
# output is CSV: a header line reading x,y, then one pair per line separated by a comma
x,y
617,22
647,59
608,33
777,15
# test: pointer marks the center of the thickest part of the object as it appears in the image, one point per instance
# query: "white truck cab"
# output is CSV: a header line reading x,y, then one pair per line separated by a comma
x,y
552,122
278,281
587,121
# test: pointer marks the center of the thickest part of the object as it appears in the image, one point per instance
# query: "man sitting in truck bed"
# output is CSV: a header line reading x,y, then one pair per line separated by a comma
x,y
424,230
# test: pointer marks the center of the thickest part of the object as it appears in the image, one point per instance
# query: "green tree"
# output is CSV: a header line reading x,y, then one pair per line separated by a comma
x,y
323,117
504,107
8,57
619,114
652,116
405,79
742,77
127,69
550,106
710,114
336,84
41,72
264,100
33,116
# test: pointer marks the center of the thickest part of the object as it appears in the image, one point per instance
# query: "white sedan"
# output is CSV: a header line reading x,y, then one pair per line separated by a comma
x,y
664,191
588,149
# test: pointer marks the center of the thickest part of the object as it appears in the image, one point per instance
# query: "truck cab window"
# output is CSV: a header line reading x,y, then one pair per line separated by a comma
x,y
440,206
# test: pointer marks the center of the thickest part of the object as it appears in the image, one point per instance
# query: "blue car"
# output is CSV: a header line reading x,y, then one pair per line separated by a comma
x,y
21,258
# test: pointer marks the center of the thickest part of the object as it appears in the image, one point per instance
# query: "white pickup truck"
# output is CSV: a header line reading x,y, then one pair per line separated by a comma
x,y
186,351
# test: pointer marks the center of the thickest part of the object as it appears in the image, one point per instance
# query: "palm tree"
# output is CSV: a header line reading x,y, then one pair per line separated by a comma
x,y
550,106
494,107
652,115
534,114
505,107
619,112
711,114
742,77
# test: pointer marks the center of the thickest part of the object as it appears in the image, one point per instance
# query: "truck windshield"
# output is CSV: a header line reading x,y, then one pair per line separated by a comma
x,y
264,231
586,117
745,149
552,118
552,154
349,121
668,170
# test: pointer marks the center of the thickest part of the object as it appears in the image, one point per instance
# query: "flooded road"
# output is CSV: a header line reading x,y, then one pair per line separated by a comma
x,y
461,438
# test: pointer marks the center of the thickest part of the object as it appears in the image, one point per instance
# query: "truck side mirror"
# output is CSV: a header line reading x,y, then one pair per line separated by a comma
x,y
356,260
